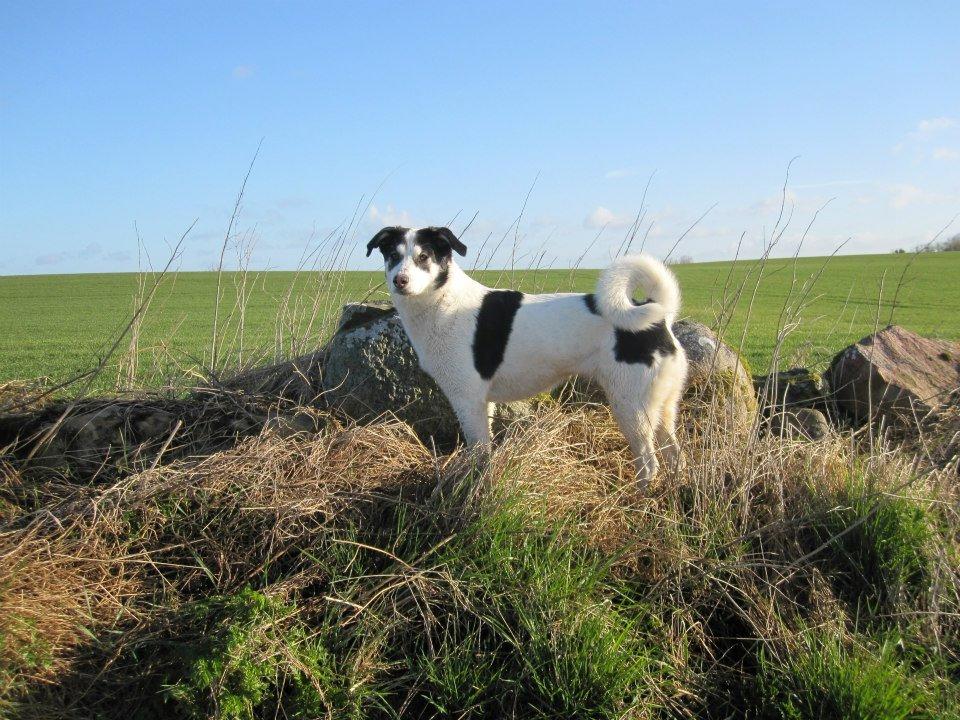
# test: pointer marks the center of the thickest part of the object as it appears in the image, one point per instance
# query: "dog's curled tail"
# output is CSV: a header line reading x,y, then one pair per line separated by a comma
x,y
619,281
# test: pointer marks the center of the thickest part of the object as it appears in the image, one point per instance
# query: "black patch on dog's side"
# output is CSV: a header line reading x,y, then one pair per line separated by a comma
x,y
591,302
494,323
638,346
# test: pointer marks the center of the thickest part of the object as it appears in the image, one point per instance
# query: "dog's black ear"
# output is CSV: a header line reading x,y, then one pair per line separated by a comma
x,y
447,236
381,237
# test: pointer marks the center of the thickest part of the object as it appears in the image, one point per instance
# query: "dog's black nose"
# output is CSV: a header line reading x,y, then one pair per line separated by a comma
x,y
401,281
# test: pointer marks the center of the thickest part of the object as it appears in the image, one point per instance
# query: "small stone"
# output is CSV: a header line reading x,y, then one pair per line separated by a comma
x,y
805,423
794,388
291,424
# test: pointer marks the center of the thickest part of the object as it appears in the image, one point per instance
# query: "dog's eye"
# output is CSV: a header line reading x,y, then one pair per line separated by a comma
x,y
423,257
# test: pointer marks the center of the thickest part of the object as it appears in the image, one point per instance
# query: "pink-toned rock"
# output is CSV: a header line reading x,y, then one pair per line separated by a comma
x,y
895,373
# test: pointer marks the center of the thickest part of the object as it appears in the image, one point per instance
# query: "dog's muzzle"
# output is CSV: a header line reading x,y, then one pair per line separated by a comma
x,y
400,282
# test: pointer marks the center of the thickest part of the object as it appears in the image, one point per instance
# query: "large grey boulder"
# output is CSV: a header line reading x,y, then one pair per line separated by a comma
x,y
371,369
895,374
718,383
300,379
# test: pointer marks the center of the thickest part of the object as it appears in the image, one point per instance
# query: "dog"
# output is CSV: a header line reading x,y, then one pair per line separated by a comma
x,y
484,345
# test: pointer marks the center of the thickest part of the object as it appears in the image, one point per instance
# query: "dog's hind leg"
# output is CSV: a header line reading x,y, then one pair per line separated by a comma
x,y
667,435
637,427
667,427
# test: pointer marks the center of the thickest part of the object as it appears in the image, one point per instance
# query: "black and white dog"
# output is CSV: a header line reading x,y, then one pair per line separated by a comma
x,y
483,345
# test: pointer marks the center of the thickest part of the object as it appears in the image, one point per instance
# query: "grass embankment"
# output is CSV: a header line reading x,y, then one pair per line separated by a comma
x,y
58,325
353,574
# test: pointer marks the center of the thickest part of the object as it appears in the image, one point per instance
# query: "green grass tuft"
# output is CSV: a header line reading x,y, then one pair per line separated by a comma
x,y
880,547
254,659
531,628
24,651
826,681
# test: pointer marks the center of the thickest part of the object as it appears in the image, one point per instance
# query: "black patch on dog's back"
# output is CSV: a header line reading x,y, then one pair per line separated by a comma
x,y
494,323
638,346
591,302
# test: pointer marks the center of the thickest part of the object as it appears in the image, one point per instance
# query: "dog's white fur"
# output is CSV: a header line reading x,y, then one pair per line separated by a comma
x,y
552,337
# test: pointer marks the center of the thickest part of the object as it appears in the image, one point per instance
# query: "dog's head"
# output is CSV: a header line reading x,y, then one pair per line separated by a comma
x,y
416,261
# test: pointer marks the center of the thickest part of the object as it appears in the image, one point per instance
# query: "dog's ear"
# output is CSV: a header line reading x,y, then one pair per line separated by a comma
x,y
446,236
381,237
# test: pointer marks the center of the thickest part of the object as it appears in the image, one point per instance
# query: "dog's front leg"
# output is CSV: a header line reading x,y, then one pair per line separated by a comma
x,y
470,477
474,417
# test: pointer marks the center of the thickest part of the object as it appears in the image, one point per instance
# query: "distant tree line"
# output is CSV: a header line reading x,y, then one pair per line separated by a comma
x,y
951,244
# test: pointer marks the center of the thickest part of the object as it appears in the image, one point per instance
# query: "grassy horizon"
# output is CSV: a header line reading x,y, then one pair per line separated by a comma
x,y
57,325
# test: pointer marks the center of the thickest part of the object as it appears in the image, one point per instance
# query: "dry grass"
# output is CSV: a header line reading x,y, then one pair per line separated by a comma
x,y
728,565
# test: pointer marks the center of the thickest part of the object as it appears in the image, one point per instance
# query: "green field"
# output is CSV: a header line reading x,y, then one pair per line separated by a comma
x,y
55,325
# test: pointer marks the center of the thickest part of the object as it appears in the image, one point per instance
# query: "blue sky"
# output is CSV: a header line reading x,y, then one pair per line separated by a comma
x,y
148,114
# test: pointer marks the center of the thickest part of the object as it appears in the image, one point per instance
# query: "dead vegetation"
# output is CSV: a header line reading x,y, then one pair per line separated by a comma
x,y
354,573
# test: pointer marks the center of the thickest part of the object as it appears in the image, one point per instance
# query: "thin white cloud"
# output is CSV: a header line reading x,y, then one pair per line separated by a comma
x,y
926,128
904,194
604,217
924,133
831,183
946,153
618,174
389,216
91,251
242,72
773,203
51,258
